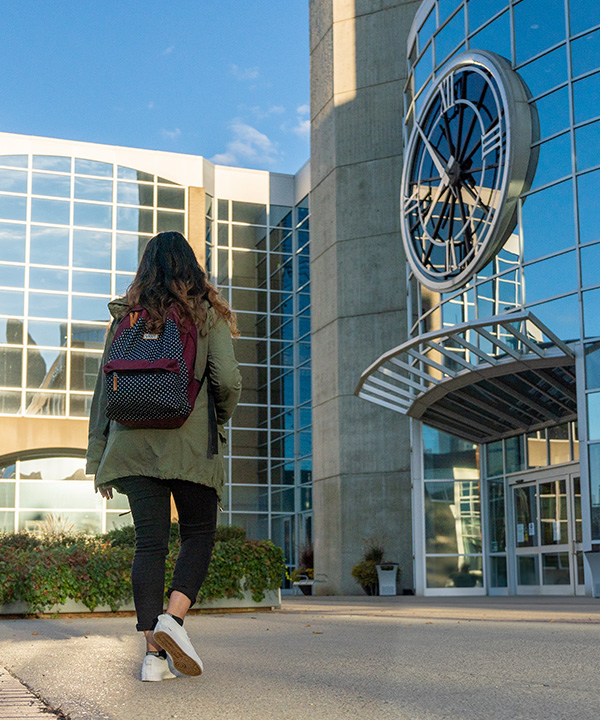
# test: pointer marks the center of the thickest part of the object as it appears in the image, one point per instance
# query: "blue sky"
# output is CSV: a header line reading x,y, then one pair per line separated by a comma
x,y
225,79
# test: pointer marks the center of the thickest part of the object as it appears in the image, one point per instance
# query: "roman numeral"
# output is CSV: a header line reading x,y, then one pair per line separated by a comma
x,y
447,92
491,140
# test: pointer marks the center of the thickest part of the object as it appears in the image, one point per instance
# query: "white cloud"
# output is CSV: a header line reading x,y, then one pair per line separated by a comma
x,y
244,74
169,50
303,109
260,113
302,128
170,134
150,105
248,146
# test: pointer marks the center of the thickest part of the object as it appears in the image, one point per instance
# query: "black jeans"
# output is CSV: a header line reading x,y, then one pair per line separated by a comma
x,y
150,502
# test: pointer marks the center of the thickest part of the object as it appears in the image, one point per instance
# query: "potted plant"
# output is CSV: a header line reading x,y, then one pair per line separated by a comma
x,y
365,572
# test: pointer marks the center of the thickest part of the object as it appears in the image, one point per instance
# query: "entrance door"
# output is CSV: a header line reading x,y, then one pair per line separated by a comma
x,y
547,513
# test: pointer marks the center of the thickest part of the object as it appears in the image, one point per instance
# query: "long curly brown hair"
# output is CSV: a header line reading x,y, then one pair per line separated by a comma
x,y
169,276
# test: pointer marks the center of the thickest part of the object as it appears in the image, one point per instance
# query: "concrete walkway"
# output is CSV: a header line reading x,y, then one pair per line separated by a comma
x,y
399,658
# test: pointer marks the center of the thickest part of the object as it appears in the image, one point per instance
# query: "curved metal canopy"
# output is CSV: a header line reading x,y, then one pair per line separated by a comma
x,y
481,380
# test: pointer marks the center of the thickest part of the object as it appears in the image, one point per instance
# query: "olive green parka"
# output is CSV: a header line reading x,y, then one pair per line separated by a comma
x,y
190,452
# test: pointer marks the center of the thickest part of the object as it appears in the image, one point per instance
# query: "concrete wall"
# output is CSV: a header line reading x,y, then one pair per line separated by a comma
x,y
358,285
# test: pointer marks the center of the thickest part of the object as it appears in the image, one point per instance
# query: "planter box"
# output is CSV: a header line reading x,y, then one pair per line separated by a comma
x,y
272,599
387,574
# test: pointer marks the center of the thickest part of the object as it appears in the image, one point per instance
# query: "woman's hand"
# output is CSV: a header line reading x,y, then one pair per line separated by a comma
x,y
106,492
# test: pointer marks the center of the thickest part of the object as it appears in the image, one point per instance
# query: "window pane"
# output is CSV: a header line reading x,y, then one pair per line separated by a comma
x,y
540,278
46,305
13,181
449,37
495,465
539,24
10,402
495,36
90,189
11,331
129,251
546,72
594,455
588,193
256,525
587,141
86,282
453,517
11,364
560,445
584,14
88,336
561,315
496,510
53,334
591,313
454,572
536,449
122,283
92,167
46,369
13,207
126,173
50,211
88,215
593,404
89,308
49,245
554,161
12,242
135,194
84,370
14,160
12,276
80,407
46,279
515,454
498,572
11,302
52,162
245,212
91,249
544,232
585,53
553,112
170,222
133,220
55,185
170,197
586,98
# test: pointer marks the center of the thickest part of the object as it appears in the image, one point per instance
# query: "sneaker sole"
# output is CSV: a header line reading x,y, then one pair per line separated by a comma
x,y
181,660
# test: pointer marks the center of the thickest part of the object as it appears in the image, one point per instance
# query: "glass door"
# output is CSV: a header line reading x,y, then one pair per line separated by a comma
x,y
547,512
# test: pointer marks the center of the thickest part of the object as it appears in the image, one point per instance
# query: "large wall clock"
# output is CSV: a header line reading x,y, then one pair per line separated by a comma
x,y
467,160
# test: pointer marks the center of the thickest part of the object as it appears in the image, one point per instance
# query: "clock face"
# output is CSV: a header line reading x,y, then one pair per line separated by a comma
x,y
467,161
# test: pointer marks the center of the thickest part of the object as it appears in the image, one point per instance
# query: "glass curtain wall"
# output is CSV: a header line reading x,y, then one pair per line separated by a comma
x,y
258,257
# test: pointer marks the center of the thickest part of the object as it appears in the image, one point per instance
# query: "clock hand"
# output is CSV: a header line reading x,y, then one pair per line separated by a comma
x,y
440,189
438,161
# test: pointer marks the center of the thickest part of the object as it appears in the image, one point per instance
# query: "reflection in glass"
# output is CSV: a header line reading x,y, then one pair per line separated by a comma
x,y
14,160
89,308
592,366
498,572
536,449
553,112
245,212
88,282
546,72
496,512
11,363
591,313
7,494
170,222
10,402
586,98
588,193
495,36
129,251
545,232
561,315
454,572
172,197
560,445
122,283
13,207
424,68
46,279
554,160
54,185
553,512
91,249
80,405
482,10
593,404
452,517
11,331
525,516
11,302
540,278
48,494
495,464
52,334
49,245
87,522
587,141
449,37
87,336
527,570
135,194
126,173
45,305
555,569
12,276
594,458
50,211
539,24
584,14
89,215
12,242
52,162
46,368
45,403
91,189
134,220
585,53
93,167
13,181
84,370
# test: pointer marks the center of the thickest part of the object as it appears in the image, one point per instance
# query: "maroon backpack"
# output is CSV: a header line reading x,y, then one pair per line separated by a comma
x,y
149,376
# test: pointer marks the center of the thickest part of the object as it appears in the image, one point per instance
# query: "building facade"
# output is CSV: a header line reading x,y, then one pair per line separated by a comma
x,y
498,371
74,220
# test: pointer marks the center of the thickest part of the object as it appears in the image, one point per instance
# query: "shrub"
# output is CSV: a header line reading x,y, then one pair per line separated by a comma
x,y
45,571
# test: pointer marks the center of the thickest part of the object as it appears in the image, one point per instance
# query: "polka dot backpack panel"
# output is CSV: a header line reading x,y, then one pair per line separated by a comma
x,y
149,376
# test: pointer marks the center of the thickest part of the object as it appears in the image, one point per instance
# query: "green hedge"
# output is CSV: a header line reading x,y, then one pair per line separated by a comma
x,y
97,570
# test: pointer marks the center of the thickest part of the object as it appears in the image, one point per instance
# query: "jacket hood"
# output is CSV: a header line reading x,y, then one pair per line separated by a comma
x,y
118,308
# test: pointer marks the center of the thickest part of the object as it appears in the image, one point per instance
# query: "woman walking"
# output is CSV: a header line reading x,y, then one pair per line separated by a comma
x,y
151,464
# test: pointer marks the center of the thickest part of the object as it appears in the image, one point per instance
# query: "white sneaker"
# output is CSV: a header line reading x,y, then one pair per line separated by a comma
x,y
155,668
173,638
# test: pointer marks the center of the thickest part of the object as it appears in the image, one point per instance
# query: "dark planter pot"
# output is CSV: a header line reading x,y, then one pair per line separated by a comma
x,y
306,589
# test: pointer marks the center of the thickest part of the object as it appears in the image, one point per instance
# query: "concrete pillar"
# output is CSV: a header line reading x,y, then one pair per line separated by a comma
x,y
358,281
